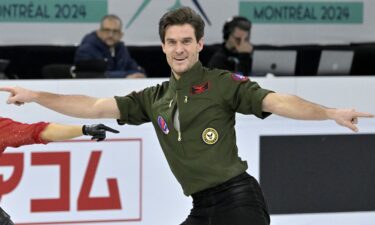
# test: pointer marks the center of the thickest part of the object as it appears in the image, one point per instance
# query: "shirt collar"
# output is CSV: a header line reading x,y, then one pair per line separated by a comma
x,y
192,76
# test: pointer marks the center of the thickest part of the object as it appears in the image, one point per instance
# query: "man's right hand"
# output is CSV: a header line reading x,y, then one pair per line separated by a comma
x,y
244,46
18,95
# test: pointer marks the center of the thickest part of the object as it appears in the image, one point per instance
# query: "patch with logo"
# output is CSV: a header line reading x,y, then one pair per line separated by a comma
x,y
210,136
239,77
200,88
163,125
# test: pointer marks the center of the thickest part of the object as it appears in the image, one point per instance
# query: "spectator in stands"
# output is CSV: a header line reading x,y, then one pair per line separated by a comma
x,y
105,44
235,54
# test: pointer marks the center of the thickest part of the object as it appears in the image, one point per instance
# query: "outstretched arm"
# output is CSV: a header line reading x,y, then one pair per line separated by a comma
x,y
72,105
59,132
294,107
15,134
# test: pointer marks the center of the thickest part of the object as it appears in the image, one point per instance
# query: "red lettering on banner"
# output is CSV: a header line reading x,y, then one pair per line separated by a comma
x,y
85,202
62,159
15,160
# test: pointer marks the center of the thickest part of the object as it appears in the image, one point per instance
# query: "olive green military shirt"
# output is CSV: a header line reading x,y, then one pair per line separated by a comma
x,y
203,153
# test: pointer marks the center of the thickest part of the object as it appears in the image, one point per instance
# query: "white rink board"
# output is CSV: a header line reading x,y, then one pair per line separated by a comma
x,y
149,193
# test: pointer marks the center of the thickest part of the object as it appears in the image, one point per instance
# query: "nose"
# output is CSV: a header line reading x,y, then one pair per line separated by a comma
x,y
179,48
111,33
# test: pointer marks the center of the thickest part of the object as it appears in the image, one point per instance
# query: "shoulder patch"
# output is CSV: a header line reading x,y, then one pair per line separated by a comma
x,y
239,77
163,125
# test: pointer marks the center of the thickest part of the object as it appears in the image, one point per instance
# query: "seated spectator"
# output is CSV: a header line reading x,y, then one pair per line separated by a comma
x,y
105,45
235,54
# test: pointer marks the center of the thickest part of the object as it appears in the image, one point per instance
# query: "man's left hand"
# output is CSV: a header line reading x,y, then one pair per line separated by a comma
x,y
349,118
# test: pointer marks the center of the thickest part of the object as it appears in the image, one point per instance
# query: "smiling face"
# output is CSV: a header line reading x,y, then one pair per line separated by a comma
x,y
181,48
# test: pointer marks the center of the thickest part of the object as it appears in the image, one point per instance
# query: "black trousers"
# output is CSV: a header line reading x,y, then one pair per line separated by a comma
x,y
5,218
238,201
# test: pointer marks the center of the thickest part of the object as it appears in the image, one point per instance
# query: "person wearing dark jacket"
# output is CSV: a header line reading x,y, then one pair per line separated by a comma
x,y
105,44
235,54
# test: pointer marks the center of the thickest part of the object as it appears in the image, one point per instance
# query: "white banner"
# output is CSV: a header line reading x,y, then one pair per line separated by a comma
x,y
276,22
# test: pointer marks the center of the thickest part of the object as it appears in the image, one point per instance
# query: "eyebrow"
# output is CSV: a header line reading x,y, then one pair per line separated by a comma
x,y
183,39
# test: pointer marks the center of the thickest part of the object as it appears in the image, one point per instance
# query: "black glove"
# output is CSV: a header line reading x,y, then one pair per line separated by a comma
x,y
97,131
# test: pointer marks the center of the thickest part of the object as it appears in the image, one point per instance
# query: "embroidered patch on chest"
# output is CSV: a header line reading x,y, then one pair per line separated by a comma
x,y
163,125
210,136
200,88
239,77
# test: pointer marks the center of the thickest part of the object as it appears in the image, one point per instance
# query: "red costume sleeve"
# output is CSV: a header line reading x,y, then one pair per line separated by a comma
x,y
15,134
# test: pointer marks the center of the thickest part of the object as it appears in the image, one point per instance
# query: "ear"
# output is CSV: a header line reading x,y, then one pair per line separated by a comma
x,y
200,44
163,47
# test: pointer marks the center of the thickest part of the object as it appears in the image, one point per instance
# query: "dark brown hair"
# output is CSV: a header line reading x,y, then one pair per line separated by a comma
x,y
181,16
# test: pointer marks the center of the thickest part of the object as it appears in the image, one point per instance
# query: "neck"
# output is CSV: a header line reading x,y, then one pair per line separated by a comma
x,y
177,76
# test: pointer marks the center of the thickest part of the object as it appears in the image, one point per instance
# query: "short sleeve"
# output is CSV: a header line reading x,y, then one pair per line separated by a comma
x,y
135,107
242,95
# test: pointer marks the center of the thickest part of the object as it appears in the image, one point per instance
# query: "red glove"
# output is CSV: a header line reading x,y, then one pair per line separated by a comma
x,y
15,134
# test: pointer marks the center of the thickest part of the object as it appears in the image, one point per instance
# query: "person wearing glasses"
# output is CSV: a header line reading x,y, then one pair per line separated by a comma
x,y
104,46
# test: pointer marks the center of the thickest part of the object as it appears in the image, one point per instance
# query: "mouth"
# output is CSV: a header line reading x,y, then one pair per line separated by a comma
x,y
179,59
